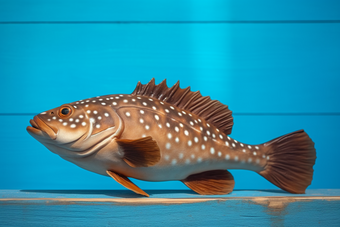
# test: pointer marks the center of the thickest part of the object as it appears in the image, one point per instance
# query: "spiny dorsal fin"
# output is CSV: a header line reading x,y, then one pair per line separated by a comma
x,y
212,111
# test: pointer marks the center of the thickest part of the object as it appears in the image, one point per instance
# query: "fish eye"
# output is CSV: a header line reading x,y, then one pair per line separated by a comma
x,y
65,111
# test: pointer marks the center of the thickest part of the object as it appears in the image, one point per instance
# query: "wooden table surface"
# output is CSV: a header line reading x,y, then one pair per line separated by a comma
x,y
170,208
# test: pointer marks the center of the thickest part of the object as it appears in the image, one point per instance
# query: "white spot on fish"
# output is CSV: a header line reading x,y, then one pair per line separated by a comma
x,y
89,111
179,114
180,124
189,143
166,157
267,157
180,155
121,95
128,114
133,100
145,104
143,135
172,107
213,135
75,107
95,111
263,156
81,116
201,128
48,119
169,135
162,103
236,158
99,117
199,159
219,154
257,147
249,160
61,120
139,98
184,112
83,123
177,140
73,125
43,113
192,123
241,144
192,156
212,150
208,125
254,153
233,145
147,127
235,141
221,137
154,108
92,120
227,157
159,125
226,143
114,103
168,146
166,110
141,111
196,121
71,119
173,162
208,133
103,103
249,147
65,123
125,100
203,147
196,140
157,117
98,126
151,99
86,105
244,150
77,120
199,120
176,129
54,118
167,124
115,97
106,114
186,132
205,138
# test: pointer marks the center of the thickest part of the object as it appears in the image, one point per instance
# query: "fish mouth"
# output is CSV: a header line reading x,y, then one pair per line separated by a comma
x,y
39,127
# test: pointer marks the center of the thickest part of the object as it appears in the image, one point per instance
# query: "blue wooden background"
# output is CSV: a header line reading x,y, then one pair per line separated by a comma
x,y
275,63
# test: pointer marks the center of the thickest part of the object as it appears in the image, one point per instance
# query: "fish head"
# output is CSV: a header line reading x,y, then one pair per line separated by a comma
x,y
75,130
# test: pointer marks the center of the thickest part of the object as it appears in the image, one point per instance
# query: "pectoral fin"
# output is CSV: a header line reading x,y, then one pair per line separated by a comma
x,y
142,152
123,180
215,182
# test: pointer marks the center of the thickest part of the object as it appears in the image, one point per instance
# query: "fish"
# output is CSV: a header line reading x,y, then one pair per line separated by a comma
x,y
161,133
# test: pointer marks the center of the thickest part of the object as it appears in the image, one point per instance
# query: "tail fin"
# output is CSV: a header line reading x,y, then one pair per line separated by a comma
x,y
291,160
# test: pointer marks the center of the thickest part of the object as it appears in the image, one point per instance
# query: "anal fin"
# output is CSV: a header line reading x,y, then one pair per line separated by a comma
x,y
123,180
214,182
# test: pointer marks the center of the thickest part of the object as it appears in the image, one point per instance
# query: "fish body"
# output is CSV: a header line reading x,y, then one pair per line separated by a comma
x,y
160,134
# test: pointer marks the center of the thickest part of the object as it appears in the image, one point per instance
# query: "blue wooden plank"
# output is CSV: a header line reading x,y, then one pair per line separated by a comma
x,y
174,10
262,211
26,164
254,68
167,195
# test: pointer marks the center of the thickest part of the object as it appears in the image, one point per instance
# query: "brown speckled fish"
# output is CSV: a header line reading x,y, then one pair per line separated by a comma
x,y
160,134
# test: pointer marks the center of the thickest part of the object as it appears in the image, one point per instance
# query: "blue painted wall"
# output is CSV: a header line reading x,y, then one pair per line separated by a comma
x,y
277,66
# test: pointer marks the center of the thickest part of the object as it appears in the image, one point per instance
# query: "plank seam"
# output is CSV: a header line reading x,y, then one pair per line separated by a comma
x,y
179,22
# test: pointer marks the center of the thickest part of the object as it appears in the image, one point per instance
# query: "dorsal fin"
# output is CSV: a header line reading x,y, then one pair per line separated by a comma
x,y
212,111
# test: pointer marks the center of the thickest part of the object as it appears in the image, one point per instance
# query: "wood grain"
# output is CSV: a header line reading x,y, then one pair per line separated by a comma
x,y
175,10
79,208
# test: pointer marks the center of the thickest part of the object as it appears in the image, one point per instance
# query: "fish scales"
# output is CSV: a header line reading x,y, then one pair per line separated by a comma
x,y
159,133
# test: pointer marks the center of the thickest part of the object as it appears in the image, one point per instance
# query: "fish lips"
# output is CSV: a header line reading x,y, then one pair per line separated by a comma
x,y
40,128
